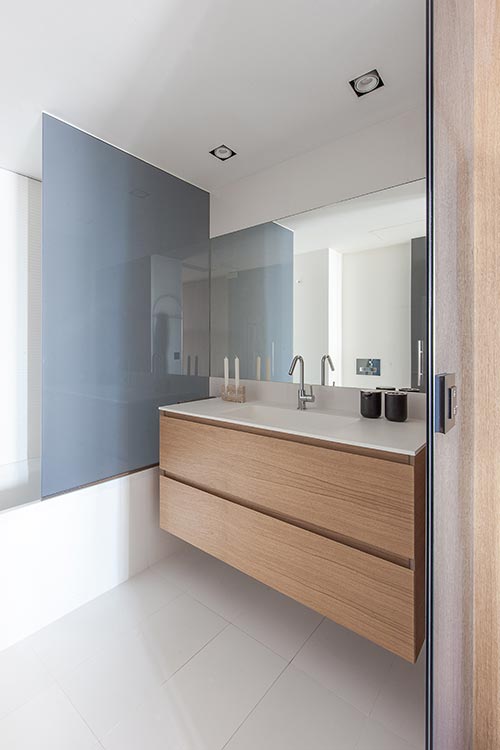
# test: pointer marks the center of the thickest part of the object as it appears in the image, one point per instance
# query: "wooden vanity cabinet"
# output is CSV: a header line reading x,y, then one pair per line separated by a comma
x,y
337,528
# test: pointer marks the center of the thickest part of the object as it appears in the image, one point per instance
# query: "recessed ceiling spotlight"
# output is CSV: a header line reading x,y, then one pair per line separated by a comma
x,y
223,152
366,83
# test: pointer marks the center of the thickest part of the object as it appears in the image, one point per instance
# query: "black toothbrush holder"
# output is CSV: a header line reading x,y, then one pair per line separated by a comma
x,y
370,405
396,406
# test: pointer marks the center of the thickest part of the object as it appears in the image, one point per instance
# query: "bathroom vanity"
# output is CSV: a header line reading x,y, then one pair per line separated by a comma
x,y
327,508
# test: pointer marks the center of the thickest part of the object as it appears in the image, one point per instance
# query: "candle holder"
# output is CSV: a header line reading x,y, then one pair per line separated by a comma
x,y
232,394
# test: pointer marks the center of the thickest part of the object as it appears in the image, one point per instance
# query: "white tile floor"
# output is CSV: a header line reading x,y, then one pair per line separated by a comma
x,y
193,655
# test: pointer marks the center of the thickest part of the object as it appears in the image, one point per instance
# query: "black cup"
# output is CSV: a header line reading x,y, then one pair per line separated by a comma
x,y
370,404
396,406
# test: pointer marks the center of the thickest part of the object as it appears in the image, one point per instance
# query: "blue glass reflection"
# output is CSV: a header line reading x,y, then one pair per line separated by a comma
x,y
252,301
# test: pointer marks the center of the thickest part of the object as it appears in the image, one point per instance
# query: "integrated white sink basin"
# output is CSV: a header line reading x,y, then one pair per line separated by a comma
x,y
289,419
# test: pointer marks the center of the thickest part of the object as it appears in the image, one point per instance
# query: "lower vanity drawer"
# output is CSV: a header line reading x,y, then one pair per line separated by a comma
x,y
366,594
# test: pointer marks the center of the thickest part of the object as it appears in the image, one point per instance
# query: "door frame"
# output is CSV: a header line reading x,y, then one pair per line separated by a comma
x,y
463,478
430,402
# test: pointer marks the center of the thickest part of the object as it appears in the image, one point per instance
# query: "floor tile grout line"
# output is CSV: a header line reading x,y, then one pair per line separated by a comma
x,y
367,717
242,630
122,634
329,689
396,734
63,691
383,682
150,566
159,686
134,629
308,639
230,621
142,620
287,665
51,680
33,697
167,680
256,705
211,609
261,643
222,630
289,662
228,624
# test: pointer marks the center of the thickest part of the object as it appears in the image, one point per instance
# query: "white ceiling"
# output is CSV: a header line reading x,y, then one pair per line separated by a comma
x,y
168,80
388,217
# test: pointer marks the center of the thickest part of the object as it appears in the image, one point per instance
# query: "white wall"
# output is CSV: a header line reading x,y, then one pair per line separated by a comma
x,y
376,315
58,554
20,292
387,154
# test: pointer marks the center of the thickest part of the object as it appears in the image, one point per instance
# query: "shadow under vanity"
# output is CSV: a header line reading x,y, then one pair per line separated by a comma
x,y
295,489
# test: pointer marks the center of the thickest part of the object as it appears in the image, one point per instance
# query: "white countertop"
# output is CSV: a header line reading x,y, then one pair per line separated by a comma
x,y
407,437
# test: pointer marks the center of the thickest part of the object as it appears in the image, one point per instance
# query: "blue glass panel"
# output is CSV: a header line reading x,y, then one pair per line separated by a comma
x,y
125,263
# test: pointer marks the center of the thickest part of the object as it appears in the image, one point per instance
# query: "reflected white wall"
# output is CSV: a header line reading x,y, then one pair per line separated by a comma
x,y
310,310
376,315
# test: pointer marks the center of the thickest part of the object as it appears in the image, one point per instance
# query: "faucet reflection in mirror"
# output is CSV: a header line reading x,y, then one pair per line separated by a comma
x,y
324,360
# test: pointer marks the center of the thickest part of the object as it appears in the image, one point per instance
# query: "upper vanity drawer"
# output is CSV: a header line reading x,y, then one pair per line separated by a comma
x,y
367,499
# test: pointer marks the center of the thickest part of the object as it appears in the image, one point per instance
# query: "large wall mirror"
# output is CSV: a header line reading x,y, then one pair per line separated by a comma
x,y
347,281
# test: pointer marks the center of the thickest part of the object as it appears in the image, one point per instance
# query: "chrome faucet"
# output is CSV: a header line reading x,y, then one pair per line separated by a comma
x,y
324,359
303,398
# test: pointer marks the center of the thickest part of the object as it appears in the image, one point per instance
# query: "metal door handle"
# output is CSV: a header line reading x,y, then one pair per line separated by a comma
x,y
420,364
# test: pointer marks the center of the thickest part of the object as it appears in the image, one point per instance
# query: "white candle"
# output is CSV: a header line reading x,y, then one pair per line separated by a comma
x,y
258,368
268,368
226,372
236,373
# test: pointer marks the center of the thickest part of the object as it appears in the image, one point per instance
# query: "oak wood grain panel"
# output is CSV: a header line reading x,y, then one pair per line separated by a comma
x,y
400,458
453,211
364,498
373,597
486,544
419,561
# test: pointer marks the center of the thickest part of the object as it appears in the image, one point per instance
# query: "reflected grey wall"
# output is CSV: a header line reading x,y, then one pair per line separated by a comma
x,y
252,300
123,243
418,312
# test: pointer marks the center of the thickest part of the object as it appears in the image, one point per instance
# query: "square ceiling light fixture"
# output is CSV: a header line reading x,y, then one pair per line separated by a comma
x,y
223,152
366,83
